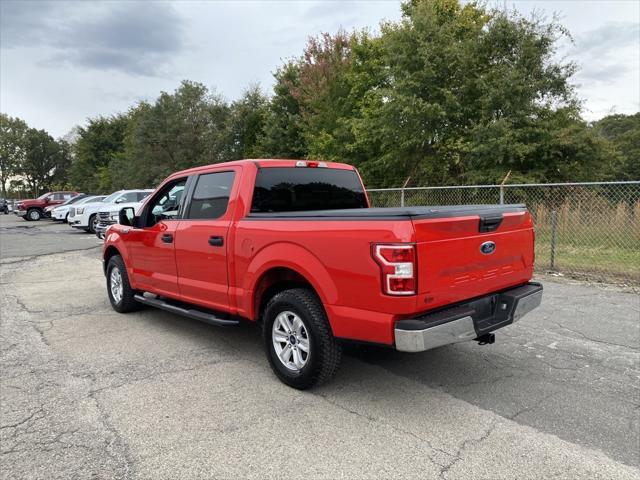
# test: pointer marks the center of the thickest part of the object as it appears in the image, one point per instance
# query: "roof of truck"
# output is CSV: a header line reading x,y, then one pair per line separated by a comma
x,y
262,163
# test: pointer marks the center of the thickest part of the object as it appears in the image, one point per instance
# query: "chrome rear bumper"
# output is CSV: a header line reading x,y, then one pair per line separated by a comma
x,y
467,321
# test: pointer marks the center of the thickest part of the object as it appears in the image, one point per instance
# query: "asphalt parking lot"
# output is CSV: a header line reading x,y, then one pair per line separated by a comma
x,y
89,393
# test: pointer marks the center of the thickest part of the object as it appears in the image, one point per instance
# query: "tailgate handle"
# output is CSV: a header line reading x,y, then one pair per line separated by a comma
x,y
489,223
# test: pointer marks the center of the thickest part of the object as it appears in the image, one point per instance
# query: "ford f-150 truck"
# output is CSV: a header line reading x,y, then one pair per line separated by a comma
x,y
296,246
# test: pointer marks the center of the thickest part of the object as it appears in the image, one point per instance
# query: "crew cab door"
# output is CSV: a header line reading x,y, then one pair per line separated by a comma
x,y
202,242
152,242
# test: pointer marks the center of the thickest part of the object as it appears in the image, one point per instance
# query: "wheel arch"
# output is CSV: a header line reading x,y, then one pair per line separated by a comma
x,y
281,266
274,281
109,252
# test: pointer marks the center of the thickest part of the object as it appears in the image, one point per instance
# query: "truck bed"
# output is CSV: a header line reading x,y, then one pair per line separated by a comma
x,y
397,213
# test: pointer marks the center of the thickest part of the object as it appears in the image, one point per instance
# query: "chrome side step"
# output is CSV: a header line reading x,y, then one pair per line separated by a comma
x,y
186,311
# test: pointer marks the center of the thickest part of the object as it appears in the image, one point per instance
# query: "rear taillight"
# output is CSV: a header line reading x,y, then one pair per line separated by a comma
x,y
398,268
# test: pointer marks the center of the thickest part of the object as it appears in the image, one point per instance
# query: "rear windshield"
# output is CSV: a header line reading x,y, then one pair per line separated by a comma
x,y
298,189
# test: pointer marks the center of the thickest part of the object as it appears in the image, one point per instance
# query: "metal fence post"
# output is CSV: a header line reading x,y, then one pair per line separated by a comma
x,y
554,228
402,191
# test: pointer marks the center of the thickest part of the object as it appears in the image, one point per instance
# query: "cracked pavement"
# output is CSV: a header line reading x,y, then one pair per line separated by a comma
x,y
89,393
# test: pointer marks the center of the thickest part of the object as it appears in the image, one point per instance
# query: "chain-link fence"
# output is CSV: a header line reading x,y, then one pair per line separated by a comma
x,y
587,230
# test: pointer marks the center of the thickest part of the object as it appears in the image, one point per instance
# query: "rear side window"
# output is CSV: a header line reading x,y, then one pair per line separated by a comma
x,y
296,189
142,195
211,195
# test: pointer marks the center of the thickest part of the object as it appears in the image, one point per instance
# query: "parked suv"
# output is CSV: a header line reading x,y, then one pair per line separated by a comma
x,y
61,212
297,246
49,208
85,217
109,215
34,209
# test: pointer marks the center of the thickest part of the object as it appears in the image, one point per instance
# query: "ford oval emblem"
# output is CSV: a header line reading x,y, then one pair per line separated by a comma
x,y
487,248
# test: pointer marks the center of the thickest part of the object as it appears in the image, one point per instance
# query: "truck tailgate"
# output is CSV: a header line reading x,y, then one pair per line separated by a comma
x,y
471,251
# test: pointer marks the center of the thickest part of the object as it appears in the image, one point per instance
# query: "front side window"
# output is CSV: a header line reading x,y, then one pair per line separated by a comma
x,y
166,205
211,195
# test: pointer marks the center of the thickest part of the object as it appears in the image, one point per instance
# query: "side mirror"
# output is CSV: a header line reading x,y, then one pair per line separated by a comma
x,y
127,217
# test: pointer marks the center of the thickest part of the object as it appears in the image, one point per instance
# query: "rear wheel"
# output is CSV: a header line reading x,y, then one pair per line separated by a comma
x,y
120,292
300,346
34,214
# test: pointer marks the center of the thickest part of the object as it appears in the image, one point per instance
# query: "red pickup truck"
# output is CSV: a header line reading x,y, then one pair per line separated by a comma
x,y
34,209
296,246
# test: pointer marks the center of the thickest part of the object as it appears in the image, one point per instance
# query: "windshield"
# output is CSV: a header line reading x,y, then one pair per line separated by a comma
x,y
90,199
73,200
43,196
111,198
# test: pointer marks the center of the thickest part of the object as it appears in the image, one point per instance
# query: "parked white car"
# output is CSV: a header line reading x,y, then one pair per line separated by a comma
x,y
85,217
60,212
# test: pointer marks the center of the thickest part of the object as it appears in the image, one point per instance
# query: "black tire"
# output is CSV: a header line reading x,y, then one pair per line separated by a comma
x,y
324,351
66,218
33,214
93,223
126,303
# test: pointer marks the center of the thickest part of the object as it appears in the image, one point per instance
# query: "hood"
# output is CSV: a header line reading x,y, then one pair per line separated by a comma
x,y
89,205
29,202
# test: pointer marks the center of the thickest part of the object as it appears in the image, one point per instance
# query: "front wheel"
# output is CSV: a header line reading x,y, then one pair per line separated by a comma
x,y
301,348
120,292
34,215
93,223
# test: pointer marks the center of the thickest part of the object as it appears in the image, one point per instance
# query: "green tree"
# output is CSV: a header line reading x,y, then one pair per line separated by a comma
x,y
623,131
12,148
451,93
282,136
98,144
177,131
246,123
45,162
464,92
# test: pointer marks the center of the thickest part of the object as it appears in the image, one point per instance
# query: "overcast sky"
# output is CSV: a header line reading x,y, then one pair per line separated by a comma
x,y
62,62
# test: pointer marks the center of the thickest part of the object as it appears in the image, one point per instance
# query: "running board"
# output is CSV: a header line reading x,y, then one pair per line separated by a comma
x,y
186,312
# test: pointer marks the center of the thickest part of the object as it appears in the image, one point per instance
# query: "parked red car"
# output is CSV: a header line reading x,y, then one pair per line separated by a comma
x,y
33,210
296,245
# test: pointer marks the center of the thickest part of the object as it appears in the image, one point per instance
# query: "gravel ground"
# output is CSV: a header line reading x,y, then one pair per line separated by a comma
x,y
89,393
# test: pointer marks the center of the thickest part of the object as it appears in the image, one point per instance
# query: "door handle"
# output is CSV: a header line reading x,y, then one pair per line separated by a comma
x,y
167,238
216,241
